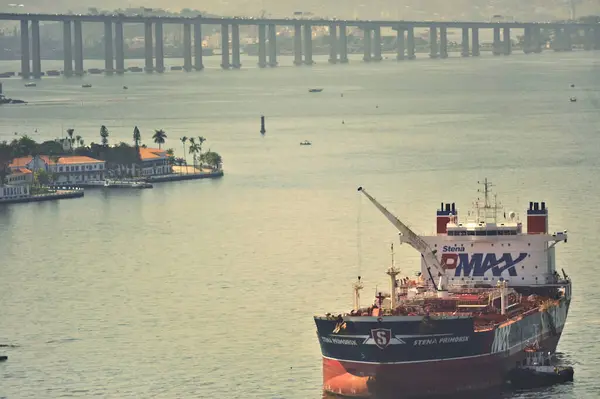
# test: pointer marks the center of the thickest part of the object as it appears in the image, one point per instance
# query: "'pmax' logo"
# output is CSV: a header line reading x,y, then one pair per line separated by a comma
x,y
477,265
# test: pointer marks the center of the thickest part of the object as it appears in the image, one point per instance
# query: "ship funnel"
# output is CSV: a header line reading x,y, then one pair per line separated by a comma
x,y
443,216
537,218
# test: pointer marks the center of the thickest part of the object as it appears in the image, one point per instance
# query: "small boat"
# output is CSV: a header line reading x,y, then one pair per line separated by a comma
x,y
315,90
3,358
87,85
126,184
573,99
30,84
125,87
305,142
537,370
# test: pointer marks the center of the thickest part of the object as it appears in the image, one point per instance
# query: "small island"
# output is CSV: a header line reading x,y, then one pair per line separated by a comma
x,y
61,168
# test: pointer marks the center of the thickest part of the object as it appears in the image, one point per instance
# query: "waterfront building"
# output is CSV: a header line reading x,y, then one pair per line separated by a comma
x,y
66,169
155,162
11,192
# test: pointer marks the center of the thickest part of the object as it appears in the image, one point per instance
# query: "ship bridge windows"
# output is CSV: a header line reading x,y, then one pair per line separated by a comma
x,y
486,232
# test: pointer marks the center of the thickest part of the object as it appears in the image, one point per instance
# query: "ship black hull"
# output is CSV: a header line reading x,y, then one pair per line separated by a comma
x,y
412,357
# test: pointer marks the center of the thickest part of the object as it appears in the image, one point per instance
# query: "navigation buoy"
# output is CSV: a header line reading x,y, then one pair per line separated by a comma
x,y
262,125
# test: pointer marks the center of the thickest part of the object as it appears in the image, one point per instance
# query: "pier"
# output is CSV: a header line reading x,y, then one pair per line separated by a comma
x,y
337,38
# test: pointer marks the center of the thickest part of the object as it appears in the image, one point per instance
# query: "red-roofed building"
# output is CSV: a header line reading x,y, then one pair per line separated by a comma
x,y
68,169
154,162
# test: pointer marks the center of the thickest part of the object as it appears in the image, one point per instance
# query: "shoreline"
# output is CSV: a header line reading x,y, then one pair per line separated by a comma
x,y
61,194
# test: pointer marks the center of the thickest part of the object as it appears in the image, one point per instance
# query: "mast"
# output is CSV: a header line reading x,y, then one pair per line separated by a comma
x,y
358,285
393,272
489,211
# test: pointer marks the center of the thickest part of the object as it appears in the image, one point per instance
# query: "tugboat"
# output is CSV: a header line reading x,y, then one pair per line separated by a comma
x,y
487,288
537,370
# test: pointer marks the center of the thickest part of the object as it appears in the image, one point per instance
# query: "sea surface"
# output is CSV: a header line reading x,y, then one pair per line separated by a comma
x,y
206,289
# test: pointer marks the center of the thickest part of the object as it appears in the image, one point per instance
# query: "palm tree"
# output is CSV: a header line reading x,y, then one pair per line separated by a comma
x,y
201,141
183,140
137,138
70,133
194,149
78,140
159,137
104,135
5,160
55,159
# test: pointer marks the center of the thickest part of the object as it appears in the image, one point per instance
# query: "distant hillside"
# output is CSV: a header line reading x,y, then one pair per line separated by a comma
x,y
402,9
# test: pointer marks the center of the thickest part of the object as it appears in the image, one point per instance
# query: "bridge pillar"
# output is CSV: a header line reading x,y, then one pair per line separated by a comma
x,y
410,43
25,69
308,50
187,47
108,47
262,46
400,44
443,42
497,43
588,41
465,42
567,38
527,47
536,39
235,46
433,45
78,47
333,44
119,47
475,38
198,66
159,47
297,44
224,46
272,45
67,49
507,43
377,44
367,44
343,45
149,56
36,60
596,34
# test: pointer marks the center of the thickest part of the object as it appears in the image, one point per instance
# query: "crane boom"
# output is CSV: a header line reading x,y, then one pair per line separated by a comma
x,y
409,236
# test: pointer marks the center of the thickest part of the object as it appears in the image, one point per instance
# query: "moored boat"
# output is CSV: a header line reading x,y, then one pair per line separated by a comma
x,y
485,291
126,184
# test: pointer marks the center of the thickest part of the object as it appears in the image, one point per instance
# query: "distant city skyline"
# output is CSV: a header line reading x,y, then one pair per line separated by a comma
x,y
364,9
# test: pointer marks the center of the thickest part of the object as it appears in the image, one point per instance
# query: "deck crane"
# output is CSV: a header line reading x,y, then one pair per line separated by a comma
x,y
411,238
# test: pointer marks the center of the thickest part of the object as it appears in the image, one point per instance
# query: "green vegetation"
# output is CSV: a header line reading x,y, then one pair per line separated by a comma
x,y
119,154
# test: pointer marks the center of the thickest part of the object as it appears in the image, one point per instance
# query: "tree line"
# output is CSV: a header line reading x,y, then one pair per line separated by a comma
x,y
118,154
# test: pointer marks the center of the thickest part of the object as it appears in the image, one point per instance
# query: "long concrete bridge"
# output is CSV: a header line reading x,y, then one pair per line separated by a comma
x,y
267,52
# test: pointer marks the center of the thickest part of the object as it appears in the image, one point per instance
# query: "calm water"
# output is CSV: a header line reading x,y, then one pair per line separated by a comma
x,y
207,289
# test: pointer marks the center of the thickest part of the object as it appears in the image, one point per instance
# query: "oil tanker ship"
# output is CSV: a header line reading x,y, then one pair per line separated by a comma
x,y
486,291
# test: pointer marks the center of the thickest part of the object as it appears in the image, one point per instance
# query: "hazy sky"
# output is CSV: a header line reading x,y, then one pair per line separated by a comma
x,y
401,9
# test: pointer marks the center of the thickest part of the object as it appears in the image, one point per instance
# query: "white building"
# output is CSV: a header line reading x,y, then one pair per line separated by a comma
x,y
67,169
154,162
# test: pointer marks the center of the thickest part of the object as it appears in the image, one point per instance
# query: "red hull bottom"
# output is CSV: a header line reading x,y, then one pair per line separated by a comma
x,y
415,380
